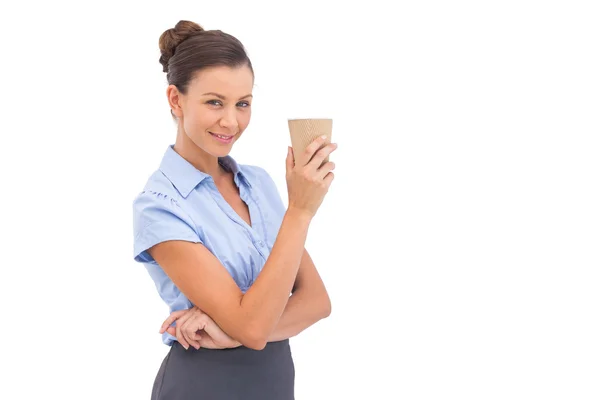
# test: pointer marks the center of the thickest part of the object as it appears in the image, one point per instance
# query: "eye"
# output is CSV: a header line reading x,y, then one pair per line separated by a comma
x,y
214,102
243,104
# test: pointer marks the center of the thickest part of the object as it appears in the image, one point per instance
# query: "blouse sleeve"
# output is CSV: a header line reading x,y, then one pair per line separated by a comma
x,y
158,218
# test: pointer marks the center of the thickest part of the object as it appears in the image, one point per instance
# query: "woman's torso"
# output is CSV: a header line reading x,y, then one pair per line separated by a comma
x,y
241,248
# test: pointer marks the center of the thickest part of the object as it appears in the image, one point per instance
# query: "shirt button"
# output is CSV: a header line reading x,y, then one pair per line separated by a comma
x,y
260,244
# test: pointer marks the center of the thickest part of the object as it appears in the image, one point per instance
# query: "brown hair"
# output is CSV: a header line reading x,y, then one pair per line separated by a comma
x,y
188,48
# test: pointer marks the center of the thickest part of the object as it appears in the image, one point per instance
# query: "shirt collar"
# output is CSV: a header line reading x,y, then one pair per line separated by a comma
x,y
185,177
231,165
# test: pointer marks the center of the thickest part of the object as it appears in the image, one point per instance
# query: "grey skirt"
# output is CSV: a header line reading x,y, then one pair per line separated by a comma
x,y
227,374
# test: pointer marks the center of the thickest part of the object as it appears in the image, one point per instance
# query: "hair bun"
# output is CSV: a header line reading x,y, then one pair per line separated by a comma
x,y
171,38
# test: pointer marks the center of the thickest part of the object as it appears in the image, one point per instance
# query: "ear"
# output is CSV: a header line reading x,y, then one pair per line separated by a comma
x,y
175,98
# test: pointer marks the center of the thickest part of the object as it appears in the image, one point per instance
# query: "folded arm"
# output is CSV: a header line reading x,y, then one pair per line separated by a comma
x,y
248,318
308,303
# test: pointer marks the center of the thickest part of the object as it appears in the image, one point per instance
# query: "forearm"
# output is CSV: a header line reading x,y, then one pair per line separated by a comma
x,y
263,304
302,310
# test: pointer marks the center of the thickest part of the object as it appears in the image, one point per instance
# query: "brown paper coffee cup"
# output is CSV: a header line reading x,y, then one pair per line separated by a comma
x,y
305,131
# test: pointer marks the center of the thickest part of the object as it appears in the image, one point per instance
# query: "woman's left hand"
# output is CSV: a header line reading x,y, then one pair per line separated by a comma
x,y
194,327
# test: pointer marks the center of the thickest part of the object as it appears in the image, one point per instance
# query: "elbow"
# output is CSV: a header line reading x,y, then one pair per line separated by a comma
x,y
326,307
257,344
254,339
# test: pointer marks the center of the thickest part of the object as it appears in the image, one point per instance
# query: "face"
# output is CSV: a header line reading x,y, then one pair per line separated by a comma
x,y
215,111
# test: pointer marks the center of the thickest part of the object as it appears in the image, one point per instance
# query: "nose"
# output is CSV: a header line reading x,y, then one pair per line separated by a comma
x,y
229,121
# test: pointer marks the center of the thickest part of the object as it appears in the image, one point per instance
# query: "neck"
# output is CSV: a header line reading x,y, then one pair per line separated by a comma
x,y
200,159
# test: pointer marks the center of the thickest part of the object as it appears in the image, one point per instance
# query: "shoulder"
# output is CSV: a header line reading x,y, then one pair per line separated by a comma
x,y
264,187
157,184
258,176
159,217
157,192
261,181
158,207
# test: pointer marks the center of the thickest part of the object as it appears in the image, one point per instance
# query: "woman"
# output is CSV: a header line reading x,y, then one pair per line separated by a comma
x,y
221,247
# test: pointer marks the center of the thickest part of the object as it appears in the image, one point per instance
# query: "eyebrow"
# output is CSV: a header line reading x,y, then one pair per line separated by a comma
x,y
223,97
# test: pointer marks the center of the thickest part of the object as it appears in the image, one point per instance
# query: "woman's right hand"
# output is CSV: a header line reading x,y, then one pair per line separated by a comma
x,y
307,180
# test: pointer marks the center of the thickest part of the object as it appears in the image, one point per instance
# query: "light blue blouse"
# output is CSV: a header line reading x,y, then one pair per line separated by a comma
x,y
180,202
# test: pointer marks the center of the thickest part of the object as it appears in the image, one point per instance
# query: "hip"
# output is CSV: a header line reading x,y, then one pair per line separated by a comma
x,y
229,374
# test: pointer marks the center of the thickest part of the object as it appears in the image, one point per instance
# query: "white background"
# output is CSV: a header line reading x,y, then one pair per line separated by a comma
x,y
459,242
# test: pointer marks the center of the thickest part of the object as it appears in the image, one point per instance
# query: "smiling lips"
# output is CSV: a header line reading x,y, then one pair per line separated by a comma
x,y
222,138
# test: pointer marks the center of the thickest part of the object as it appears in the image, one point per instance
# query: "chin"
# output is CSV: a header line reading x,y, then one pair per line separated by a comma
x,y
221,152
